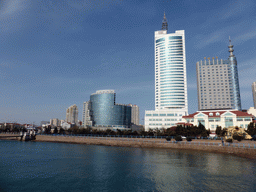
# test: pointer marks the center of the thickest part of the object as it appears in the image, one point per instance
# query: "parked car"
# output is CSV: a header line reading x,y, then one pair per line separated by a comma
x,y
183,137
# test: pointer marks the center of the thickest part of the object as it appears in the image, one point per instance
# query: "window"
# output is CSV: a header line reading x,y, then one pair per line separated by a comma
x,y
148,115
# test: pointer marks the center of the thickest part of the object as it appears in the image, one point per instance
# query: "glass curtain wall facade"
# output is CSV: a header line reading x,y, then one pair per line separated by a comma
x,y
106,113
170,79
170,71
234,78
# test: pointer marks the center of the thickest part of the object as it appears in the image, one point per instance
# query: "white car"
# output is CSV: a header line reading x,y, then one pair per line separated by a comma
x,y
183,137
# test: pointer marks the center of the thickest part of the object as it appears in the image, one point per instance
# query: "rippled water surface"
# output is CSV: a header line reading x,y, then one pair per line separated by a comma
x,y
35,166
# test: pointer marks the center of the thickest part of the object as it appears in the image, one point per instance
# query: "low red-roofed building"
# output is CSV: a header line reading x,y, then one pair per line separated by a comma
x,y
223,118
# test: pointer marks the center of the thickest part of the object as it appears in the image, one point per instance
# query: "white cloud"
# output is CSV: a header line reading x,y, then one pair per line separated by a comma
x,y
241,31
12,7
11,15
251,34
216,36
235,8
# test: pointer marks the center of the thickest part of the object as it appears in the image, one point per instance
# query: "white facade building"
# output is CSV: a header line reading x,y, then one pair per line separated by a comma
x,y
135,120
224,118
170,80
72,114
86,114
252,111
55,122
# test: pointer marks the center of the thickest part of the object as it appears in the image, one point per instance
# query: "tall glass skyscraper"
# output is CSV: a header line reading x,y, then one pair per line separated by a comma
x,y
170,79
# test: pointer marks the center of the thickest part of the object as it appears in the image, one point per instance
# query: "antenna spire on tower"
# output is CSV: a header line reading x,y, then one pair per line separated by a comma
x,y
164,23
231,50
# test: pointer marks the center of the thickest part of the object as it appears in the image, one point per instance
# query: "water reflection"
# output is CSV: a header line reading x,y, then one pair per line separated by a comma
x,y
197,171
102,168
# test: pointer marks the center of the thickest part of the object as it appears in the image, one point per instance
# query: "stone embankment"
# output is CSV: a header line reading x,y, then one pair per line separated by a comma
x,y
244,149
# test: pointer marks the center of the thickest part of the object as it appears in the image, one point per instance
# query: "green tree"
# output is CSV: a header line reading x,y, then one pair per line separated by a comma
x,y
237,137
55,130
47,130
119,132
218,130
251,129
223,132
62,131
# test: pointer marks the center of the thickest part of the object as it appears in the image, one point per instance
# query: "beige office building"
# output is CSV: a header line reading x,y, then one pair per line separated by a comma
x,y
135,114
72,114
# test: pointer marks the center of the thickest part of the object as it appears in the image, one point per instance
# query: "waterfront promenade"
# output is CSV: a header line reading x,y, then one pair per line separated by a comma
x,y
244,148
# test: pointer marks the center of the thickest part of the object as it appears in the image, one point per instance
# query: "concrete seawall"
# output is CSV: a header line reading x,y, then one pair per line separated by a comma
x,y
211,146
200,145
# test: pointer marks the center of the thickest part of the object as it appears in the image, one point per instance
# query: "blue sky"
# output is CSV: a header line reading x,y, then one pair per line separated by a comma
x,y
55,53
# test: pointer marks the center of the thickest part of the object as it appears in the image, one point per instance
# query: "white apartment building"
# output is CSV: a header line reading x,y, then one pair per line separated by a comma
x,y
72,114
252,111
135,119
86,114
55,122
170,79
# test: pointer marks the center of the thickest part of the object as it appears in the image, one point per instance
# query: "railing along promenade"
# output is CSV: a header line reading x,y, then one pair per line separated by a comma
x,y
161,139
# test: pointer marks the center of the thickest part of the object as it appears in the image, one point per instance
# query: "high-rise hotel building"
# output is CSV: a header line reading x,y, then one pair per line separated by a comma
x,y
170,79
217,83
254,93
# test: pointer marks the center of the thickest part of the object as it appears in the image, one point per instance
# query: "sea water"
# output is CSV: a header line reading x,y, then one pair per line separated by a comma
x,y
41,166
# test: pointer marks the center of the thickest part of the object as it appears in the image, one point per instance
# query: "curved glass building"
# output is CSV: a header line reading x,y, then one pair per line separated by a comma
x,y
170,79
106,113
170,71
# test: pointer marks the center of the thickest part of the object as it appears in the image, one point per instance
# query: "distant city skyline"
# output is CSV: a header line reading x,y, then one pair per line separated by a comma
x,y
56,53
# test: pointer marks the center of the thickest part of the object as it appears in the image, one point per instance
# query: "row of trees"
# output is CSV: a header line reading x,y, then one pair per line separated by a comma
x,y
193,131
174,131
14,129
